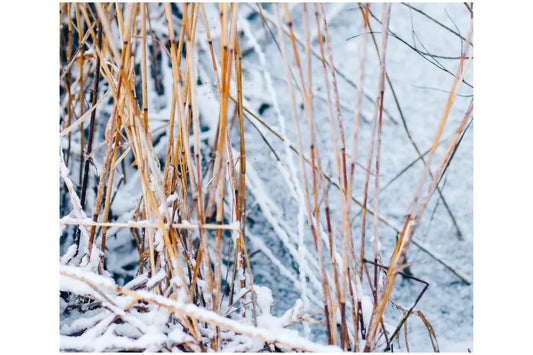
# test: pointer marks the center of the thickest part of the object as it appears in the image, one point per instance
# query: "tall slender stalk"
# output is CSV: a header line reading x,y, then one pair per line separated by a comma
x,y
185,204
416,210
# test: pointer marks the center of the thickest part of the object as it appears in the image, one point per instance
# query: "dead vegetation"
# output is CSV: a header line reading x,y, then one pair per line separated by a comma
x,y
192,287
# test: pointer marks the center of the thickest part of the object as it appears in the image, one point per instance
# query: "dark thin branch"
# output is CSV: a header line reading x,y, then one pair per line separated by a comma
x,y
441,90
455,147
437,22
422,53
470,8
438,65
456,27
94,99
410,310
404,123
337,70
337,186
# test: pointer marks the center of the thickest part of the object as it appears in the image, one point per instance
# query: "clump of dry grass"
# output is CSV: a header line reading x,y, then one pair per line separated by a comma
x,y
189,221
178,190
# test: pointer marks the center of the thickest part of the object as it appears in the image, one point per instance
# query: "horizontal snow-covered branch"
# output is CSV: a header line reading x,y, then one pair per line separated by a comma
x,y
282,336
147,224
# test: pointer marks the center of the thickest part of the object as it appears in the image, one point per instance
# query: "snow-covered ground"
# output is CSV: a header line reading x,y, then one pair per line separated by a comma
x,y
282,253
422,90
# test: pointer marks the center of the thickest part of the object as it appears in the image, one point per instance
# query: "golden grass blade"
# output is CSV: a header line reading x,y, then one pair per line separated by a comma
x,y
187,217
406,235
431,332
